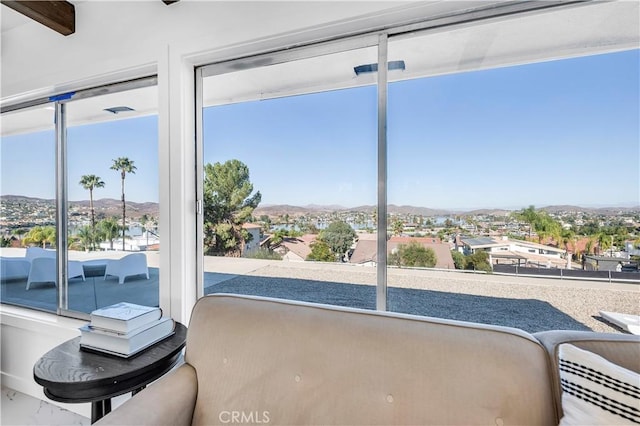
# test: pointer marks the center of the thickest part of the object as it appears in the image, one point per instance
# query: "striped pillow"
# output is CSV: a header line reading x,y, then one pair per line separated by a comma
x,y
596,391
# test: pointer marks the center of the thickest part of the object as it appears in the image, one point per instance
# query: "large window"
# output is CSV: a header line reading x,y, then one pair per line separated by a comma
x,y
471,154
289,179
506,138
80,205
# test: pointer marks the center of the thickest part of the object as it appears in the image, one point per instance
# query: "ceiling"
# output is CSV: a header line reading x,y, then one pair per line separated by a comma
x,y
593,28
587,29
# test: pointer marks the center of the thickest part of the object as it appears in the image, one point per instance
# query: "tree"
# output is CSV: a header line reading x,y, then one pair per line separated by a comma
x,y
321,252
413,254
281,234
40,235
86,237
20,232
528,215
124,165
228,204
478,261
110,229
604,242
546,226
91,182
589,245
398,226
459,260
339,236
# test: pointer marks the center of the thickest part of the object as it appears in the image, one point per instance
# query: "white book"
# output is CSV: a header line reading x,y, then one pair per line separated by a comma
x,y
128,344
124,317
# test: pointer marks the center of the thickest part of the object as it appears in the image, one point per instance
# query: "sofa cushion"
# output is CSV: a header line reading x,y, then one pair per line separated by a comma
x,y
299,363
596,391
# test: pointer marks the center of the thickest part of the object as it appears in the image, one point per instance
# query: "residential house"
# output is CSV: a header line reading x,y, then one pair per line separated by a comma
x,y
366,250
296,249
505,250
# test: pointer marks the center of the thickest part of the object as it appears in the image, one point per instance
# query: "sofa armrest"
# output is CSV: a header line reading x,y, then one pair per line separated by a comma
x,y
169,401
620,349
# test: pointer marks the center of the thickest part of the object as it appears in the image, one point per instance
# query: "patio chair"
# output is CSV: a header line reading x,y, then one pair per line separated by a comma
x,y
130,265
13,268
35,252
43,269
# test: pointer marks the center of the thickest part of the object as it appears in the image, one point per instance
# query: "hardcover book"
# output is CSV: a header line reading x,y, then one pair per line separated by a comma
x,y
124,317
128,344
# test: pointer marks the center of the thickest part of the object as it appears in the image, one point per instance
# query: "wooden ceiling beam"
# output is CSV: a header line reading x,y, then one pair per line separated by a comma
x,y
60,16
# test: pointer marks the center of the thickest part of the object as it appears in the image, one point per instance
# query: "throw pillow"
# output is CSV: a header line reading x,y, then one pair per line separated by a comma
x,y
596,391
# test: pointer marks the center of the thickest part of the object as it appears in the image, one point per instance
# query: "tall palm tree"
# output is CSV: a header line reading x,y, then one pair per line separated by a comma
x,y
91,182
124,165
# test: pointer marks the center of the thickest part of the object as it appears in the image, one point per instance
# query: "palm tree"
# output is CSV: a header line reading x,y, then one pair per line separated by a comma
x,y
86,237
90,182
124,165
110,229
528,215
40,235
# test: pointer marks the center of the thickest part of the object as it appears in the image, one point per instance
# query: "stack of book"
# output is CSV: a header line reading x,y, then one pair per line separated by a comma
x,y
125,329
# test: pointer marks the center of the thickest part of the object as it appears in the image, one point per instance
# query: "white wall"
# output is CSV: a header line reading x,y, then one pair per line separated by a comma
x,y
27,335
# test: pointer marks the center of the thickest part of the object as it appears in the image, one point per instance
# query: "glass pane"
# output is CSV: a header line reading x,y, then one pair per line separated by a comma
x,y
290,179
28,208
113,183
510,171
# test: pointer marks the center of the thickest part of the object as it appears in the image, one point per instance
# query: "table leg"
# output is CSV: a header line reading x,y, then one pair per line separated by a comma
x,y
99,409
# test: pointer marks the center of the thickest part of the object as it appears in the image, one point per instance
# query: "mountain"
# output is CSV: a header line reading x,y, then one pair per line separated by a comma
x,y
105,206
113,207
606,211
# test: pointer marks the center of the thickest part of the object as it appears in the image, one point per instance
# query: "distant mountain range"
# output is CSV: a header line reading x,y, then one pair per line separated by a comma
x,y
281,209
108,206
112,206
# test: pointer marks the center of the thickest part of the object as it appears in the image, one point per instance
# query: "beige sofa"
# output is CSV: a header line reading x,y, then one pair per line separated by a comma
x,y
253,360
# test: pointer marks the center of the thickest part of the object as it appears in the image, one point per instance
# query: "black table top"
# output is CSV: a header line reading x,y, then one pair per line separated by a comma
x,y
71,375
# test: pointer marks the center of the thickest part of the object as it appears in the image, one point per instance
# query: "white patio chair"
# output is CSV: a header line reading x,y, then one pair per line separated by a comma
x,y
13,268
34,252
130,265
43,269
75,269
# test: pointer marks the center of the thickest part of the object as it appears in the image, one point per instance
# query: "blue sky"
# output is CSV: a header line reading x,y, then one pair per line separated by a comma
x,y
561,132
28,161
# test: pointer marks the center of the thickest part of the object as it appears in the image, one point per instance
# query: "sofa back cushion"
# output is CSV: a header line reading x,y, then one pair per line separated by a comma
x,y
270,361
